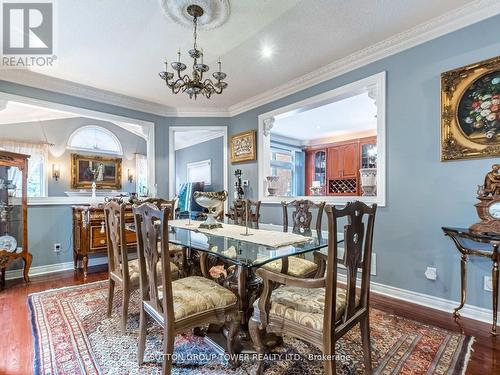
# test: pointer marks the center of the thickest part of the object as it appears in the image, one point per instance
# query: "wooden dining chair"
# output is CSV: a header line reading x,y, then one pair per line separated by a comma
x,y
317,310
302,217
178,253
238,212
127,277
177,305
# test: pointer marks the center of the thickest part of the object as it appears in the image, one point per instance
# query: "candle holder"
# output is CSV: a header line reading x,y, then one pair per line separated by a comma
x,y
246,221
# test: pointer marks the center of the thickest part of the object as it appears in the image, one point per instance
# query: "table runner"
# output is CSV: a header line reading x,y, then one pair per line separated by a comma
x,y
264,237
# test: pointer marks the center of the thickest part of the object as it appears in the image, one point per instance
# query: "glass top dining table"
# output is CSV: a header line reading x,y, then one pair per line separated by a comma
x,y
240,252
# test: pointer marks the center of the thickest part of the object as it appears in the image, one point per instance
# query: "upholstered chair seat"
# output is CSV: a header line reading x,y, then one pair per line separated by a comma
x,y
297,267
134,274
304,306
194,294
315,309
177,305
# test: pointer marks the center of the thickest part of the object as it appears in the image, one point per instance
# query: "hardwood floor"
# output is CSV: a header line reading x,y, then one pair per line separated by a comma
x,y
16,344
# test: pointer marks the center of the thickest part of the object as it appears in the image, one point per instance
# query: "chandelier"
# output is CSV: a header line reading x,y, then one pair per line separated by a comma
x,y
194,85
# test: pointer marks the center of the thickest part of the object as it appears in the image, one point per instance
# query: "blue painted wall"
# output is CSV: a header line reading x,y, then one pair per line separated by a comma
x,y
423,193
210,150
43,233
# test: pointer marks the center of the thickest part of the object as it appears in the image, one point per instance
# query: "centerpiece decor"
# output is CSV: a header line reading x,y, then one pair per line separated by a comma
x,y
194,85
488,208
212,201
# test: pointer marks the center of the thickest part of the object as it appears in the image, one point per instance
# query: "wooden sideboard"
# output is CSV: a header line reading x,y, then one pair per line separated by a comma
x,y
89,233
336,166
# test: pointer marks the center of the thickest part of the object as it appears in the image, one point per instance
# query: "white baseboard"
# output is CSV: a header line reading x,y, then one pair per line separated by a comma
x,y
51,268
468,311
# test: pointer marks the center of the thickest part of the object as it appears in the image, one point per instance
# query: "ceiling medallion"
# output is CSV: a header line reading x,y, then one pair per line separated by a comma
x,y
216,12
194,85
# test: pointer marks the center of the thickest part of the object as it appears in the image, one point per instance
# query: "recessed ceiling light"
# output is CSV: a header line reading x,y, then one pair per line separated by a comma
x,y
266,51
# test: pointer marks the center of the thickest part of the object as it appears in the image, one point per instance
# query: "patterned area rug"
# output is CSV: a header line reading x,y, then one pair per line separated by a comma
x,y
74,336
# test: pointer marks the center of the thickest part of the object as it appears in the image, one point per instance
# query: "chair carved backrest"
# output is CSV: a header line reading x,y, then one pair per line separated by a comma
x,y
114,217
302,215
239,213
152,223
160,203
358,239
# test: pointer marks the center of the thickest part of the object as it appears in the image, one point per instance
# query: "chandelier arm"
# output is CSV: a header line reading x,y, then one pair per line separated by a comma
x,y
195,84
208,82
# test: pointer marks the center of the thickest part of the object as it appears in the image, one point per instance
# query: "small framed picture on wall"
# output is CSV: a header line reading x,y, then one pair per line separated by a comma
x,y
244,147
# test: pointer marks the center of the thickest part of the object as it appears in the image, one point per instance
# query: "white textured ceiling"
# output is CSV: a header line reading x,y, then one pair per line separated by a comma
x,y
351,115
120,45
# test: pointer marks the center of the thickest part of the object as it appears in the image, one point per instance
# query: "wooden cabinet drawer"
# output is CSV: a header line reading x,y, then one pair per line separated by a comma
x,y
98,239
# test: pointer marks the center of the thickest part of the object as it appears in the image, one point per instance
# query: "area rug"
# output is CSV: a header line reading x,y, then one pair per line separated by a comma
x,y
72,335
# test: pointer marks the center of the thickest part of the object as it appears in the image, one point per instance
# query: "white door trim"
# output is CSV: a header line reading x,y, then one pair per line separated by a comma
x,y
171,155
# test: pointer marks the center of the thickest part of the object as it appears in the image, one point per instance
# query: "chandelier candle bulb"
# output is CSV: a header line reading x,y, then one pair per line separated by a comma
x,y
195,84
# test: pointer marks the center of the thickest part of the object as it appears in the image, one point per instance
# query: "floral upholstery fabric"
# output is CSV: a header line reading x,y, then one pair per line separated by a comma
x,y
172,248
303,305
297,267
133,271
195,294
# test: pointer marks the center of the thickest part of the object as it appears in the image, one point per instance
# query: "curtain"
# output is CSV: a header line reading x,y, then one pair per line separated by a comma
x,y
299,173
37,164
141,171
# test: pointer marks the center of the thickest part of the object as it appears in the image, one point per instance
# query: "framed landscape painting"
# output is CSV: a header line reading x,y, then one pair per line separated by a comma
x,y
105,171
470,111
243,147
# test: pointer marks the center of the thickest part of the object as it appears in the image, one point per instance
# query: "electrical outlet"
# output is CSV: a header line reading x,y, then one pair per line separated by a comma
x,y
245,182
57,248
431,273
488,284
373,270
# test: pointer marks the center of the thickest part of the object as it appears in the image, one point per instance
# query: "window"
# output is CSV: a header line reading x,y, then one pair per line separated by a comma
x,y
95,139
141,171
288,164
38,161
200,171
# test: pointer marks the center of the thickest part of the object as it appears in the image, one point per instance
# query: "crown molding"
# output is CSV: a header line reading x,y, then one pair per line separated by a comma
x,y
454,20
466,15
200,139
44,82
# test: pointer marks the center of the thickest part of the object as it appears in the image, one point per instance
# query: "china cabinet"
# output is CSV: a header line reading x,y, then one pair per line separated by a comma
x,y
316,172
334,168
13,212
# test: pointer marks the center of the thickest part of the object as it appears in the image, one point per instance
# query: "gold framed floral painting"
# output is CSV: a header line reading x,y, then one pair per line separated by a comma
x,y
243,147
470,111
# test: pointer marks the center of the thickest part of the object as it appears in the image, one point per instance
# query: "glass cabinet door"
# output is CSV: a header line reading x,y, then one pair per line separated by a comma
x,y
369,155
320,168
11,209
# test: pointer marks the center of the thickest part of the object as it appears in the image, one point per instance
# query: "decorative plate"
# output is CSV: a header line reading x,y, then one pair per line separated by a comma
x,y
8,242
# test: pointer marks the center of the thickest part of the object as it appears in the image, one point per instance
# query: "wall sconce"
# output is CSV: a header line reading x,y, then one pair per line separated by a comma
x,y
56,171
130,176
